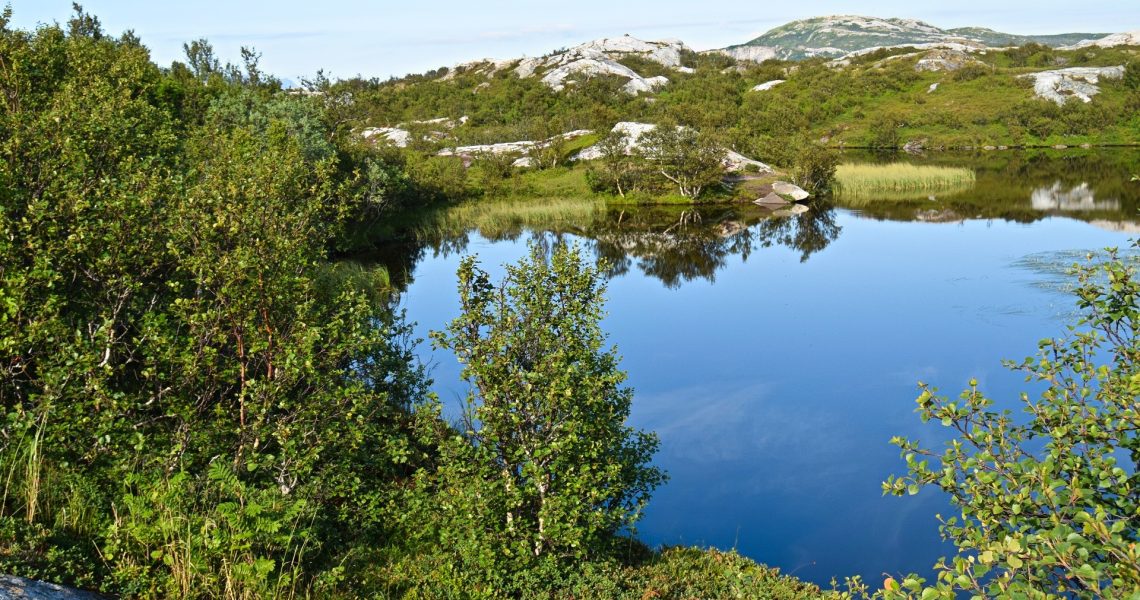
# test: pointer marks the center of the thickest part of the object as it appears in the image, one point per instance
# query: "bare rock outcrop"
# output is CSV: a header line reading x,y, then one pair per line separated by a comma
x,y
945,59
485,66
400,136
600,57
512,147
393,135
638,85
1128,38
767,85
748,53
1059,85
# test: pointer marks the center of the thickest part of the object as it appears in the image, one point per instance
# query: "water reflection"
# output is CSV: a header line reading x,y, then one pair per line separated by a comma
x,y
699,242
671,244
1023,186
679,244
1060,197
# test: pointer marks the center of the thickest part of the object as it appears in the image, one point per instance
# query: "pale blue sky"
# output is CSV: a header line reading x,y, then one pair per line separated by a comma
x,y
383,37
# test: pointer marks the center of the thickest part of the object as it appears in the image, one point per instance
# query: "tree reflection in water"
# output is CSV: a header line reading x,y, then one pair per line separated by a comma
x,y
672,244
676,246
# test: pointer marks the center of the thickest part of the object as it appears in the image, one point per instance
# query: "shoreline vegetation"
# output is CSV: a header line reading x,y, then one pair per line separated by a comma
x,y
200,401
899,180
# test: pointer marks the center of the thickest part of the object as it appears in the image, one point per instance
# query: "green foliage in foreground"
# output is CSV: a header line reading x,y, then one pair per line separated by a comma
x,y
192,403
196,403
1050,503
546,469
670,574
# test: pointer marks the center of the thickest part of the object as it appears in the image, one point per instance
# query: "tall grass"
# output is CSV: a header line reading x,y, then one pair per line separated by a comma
x,y
898,181
22,461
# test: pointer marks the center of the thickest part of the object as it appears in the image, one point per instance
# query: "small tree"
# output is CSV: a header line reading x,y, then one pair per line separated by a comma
x,y
548,463
1046,504
614,170
814,167
685,157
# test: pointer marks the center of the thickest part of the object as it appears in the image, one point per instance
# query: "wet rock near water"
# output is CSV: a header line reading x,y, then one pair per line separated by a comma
x,y
914,146
790,190
772,200
19,588
780,194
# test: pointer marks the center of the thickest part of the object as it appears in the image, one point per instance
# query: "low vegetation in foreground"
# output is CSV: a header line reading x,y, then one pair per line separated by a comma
x,y
198,402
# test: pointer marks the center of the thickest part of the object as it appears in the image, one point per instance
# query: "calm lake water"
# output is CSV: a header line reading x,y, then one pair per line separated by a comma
x,y
775,357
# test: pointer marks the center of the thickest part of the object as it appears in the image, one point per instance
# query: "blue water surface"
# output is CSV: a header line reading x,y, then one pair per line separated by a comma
x,y
776,382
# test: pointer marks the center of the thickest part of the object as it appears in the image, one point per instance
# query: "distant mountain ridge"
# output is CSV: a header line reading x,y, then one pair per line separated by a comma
x,y
837,35
647,66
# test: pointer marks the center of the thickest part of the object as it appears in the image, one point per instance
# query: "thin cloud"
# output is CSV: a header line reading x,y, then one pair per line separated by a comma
x,y
525,32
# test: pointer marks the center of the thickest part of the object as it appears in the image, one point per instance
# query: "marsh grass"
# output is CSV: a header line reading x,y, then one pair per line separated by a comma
x,y
899,181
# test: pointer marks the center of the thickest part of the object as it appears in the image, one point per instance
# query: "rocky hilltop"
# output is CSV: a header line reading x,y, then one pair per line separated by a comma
x,y
598,57
835,37
839,35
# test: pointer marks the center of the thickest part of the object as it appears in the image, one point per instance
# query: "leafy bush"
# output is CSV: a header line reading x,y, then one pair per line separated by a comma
x,y
814,167
546,426
970,72
884,133
1132,75
688,159
190,404
438,177
614,172
1049,504
546,470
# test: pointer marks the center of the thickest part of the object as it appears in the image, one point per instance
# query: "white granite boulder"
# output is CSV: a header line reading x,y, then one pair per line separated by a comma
x,y
767,85
1059,85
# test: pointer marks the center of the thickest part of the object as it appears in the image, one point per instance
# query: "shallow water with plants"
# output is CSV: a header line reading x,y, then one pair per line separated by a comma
x,y
776,355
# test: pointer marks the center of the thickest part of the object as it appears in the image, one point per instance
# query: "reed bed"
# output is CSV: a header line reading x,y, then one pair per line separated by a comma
x,y
899,181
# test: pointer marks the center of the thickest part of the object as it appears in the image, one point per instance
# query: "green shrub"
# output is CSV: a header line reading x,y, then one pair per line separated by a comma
x,y
1050,504
1132,75
814,167
439,177
191,403
545,471
884,133
970,72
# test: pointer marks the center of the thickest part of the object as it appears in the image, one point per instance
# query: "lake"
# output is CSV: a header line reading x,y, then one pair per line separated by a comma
x,y
776,356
